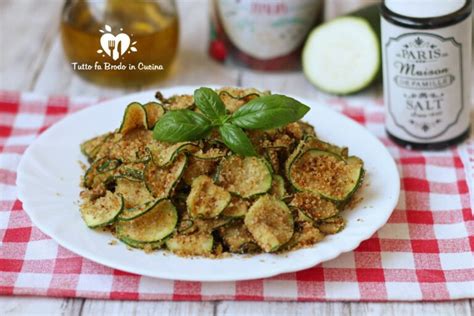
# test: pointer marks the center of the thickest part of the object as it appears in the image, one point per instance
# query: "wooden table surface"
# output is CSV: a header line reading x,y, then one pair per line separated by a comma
x,y
31,59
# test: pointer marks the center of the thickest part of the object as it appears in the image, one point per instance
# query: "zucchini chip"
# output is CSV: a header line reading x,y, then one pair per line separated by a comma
x,y
305,235
103,210
314,206
298,130
272,155
154,111
214,153
314,143
137,211
206,199
180,102
160,181
206,225
100,172
326,173
153,226
302,217
245,176
237,237
133,118
234,98
278,187
332,225
237,208
132,172
130,148
188,225
198,244
146,246
197,167
91,147
270,222
135,193
163,153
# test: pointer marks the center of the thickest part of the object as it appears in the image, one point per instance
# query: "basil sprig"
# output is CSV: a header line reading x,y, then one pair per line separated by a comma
x,y
236,139
267,112
180,126
264,112
210,104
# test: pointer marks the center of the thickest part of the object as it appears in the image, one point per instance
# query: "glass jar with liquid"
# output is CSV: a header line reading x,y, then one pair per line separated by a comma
x,y
120,43
262,34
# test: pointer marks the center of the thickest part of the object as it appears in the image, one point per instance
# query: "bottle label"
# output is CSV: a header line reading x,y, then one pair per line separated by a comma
x,y
427,81
267,29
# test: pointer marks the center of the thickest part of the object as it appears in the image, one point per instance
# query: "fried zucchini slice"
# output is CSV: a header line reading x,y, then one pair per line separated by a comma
x,y
210,224
154,111
326,173
137,211
163,153
197,167
135,193
130,148
134,117
305,235
160,181
191,245
237,208
91,147
155,225
270,222
314,206
103,210
234,98
272,155
332,225
100,171
302,217
211,154
244,176
186,224
206,199
237,238
277,141
278,187
296,130
180,102
312,142
189,225
146,246
132,172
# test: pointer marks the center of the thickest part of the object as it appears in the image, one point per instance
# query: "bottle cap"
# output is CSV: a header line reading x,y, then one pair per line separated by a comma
x,y
424,8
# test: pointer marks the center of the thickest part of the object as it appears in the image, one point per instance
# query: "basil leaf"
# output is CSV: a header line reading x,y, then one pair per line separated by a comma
x,y
236,139
210,104
181,125
267,112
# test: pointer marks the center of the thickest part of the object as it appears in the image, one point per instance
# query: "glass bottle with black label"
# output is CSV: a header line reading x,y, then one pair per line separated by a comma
x,y
426,48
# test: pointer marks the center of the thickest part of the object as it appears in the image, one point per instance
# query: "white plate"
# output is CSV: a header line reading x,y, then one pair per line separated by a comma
x,y
48,185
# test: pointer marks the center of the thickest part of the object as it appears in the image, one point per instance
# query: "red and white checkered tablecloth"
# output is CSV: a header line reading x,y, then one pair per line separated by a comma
x,y
424,252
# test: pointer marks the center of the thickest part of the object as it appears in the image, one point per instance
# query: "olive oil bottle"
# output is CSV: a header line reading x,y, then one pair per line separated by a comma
x,y
120,43
426,48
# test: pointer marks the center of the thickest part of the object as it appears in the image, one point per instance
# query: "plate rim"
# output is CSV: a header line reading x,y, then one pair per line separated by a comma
x,y
349,245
